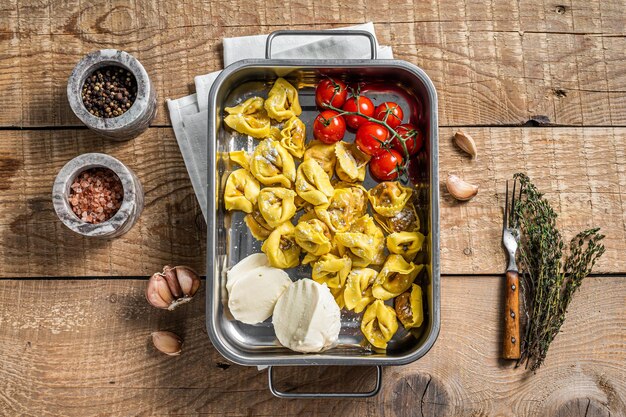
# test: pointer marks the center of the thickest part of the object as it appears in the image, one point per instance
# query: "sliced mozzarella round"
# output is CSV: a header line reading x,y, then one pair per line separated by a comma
x,y
245,265
306,317
253,295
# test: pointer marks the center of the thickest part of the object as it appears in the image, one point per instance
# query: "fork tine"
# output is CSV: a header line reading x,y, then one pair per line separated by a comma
x,y
512,219
506,207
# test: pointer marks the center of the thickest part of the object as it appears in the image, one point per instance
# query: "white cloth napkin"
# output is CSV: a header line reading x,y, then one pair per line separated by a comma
x,y
189,114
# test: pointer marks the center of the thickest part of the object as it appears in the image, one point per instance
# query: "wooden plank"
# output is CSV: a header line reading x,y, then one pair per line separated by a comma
x,y
82,348
493,63
582,172
34,242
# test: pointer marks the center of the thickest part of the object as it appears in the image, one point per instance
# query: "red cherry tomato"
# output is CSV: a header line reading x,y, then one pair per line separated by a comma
x,y
329,127
370,138
389,112
330,91
361,104
385,164
414,138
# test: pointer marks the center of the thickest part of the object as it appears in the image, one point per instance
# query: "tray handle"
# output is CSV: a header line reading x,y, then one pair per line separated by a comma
x,y
282,394
277,33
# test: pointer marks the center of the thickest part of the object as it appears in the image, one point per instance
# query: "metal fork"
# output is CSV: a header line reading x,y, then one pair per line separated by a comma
x,y
510,240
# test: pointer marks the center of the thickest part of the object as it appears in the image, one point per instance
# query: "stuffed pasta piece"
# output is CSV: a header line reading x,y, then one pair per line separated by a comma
x,y
332,270
358,289
409,307
257,225
323,154
313,184
241,158
241,191
379,324
364,242
276,205
407,244
389,198
405,221
395,277
351,162
282,101
292,137
271,164
249,118
345,206
281,247
313,236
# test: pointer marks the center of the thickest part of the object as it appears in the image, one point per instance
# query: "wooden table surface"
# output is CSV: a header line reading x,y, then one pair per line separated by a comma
x,y
540,85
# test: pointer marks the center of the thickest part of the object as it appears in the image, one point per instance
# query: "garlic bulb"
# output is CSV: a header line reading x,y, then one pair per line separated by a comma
x,y
172,287
167,342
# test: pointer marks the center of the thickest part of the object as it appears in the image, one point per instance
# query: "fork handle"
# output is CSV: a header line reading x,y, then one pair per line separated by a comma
x,y
511,346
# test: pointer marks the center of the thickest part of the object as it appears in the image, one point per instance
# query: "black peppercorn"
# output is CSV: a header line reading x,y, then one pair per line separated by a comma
x,y
107,95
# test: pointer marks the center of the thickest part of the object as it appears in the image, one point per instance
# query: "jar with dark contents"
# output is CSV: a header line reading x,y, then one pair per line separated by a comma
x,y
111,93
96,195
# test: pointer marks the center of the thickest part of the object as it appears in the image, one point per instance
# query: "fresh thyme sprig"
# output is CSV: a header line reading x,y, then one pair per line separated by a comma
x,y
548,285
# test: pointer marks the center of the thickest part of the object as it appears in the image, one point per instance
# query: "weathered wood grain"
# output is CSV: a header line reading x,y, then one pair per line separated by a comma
x,y
494,63
82,348
582,172
34,242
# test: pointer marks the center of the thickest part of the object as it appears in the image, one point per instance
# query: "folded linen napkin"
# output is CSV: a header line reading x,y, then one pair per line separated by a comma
x,y
189,114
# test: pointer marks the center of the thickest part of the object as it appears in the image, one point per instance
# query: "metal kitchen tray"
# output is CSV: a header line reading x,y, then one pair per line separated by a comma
x,y
229,240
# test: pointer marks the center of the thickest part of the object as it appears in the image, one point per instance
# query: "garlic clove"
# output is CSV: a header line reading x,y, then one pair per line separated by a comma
x,y
158,292
167,342
459,189
466,143
189,281
172,281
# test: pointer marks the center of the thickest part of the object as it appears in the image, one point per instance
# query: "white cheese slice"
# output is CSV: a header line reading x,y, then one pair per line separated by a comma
x,y
245,265
306,317
253,294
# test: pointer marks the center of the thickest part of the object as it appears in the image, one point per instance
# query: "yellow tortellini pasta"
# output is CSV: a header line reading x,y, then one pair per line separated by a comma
x,y
395,277
292,137
275,133
409,307
389,198
331,270
271,164
406,244
249,118
358,289
276,205
313,184
257,225
324,155
405,221
241,191
338,296
364,242
281,247
351,162
313,236
345,206
379,324
282,101
241,158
